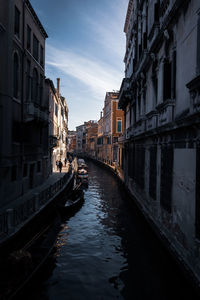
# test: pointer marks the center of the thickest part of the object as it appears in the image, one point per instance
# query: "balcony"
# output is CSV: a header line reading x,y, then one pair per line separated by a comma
x,y
139,126
125,93
194,90
166,112
121,138
53,141
34,112
152,120
128,132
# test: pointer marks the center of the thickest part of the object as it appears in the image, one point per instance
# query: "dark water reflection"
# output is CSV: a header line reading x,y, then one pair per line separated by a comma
x,y
107,251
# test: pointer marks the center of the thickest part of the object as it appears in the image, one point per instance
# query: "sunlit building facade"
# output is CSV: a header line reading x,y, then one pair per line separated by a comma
x,y
58,123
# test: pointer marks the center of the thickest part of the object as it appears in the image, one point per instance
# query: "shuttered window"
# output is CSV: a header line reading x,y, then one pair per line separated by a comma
x,y
167,160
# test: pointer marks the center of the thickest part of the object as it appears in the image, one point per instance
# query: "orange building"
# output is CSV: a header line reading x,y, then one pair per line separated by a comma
x,y
117,128
110,128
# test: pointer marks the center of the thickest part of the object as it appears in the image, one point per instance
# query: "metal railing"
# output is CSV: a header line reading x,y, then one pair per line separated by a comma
x,y
12,218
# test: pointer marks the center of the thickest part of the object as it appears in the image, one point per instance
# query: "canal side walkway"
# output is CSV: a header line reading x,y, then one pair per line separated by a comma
x,y
18,213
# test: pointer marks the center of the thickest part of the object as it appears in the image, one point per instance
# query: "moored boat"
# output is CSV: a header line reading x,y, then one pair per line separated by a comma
x,y
20,266
82,172
72,202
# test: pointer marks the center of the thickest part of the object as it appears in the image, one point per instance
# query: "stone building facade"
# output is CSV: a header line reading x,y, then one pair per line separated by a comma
x,y
24,159
160,96
91,134
80,138
58,123
71,141
86,136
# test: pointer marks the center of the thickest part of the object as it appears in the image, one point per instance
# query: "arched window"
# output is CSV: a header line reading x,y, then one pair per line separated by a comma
x,y
16,76
35,86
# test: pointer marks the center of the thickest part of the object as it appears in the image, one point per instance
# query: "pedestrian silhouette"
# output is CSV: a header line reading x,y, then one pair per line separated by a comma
x,y
60,166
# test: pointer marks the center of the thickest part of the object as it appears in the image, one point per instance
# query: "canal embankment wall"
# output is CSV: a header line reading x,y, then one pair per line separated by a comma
x,y
20,213
163,235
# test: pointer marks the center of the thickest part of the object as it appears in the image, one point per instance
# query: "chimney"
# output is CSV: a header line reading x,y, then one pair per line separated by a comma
x,y
58,86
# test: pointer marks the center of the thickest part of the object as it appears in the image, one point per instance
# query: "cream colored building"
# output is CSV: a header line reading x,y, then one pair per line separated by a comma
x,y
58,123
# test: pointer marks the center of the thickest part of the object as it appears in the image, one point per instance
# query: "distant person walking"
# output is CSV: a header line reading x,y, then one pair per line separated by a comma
x,y
65,162
57,164
60,166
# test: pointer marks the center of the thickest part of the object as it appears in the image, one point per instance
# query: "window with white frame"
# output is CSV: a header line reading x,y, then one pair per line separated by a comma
x,y
119,125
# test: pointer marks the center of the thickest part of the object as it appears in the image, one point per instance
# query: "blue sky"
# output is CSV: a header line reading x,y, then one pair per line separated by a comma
x,y
85,48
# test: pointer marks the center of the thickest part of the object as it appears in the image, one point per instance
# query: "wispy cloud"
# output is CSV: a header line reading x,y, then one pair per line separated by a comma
x,y
98,76
107,28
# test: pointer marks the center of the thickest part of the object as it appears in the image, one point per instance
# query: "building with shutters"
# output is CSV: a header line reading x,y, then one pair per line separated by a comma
x,y
110,129
80,138
160,96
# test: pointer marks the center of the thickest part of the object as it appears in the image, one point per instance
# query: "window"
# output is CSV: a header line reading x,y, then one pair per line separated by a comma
x,y
119,125
167,81
25,170
17,22
41,56
35,86
41,89
39,166
156,12
35,47
174,75
167,159
28,79
13,173
41,131
56,109
198,193
145,40
153,172
16,76
16,131
28,41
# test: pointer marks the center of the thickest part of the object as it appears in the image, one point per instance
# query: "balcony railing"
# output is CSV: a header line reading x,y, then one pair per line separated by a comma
x,y
139,126
152,120
125,93
34,112
166,112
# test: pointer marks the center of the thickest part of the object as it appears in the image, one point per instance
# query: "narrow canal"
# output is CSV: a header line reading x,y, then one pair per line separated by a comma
x,y
107,251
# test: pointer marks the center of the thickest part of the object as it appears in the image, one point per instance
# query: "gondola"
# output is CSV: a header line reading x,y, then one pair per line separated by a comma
x,y
72,202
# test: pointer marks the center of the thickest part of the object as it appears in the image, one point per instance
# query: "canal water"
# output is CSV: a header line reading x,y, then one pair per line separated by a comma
x,y
107,251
